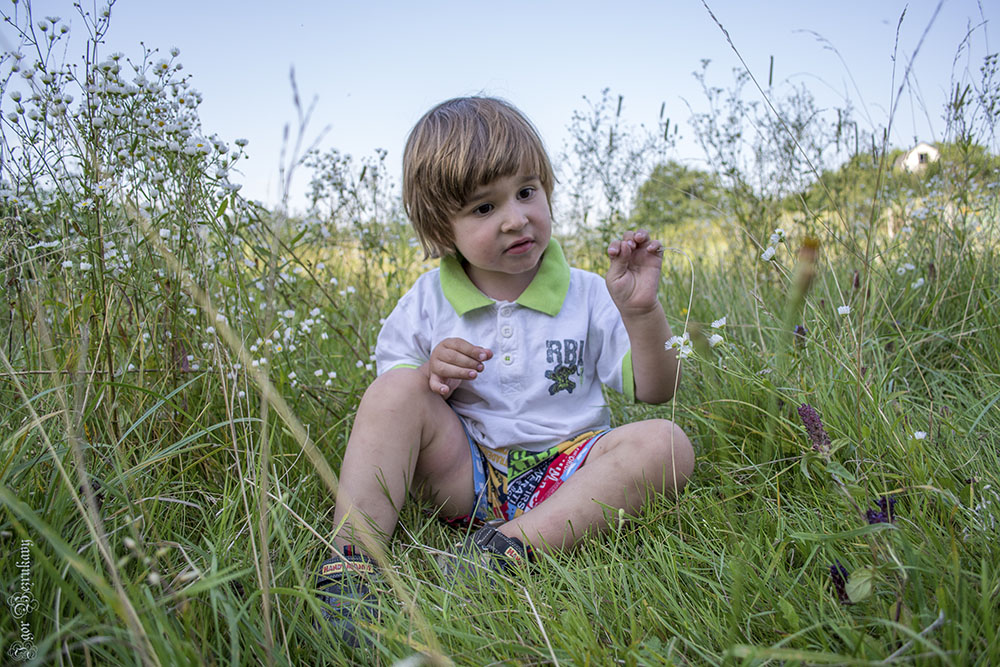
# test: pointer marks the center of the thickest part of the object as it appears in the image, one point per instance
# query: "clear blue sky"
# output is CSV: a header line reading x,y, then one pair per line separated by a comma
x,y
375,67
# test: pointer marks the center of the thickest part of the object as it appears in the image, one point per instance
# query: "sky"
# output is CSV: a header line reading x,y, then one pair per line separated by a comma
x,y
375,67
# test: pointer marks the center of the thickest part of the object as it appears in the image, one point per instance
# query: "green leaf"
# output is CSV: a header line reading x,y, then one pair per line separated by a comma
x,y
835,468
844,535
860,583
804,465
788,613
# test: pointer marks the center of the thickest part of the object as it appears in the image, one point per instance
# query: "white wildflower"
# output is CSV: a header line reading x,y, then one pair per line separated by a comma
x,y
680,343
777,237
843,310
719,323
920,435
714,340
768,254
918,283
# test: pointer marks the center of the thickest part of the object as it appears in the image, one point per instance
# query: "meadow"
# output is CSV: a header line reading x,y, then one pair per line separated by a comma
x,y
179,368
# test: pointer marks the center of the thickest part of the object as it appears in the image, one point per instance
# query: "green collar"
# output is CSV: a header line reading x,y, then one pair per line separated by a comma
x,y
545,294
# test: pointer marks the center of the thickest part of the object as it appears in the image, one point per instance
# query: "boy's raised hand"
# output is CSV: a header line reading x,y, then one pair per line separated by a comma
x,y
634,275
452,361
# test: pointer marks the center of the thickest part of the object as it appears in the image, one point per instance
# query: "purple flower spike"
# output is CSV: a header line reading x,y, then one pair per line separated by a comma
x,y
838,573
814,427
886,513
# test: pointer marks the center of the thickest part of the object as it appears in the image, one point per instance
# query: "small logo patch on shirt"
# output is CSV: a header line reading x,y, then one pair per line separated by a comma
x,y
567,355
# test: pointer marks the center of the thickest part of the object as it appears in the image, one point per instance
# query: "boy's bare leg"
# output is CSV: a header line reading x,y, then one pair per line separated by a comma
x,y
624,466
404,436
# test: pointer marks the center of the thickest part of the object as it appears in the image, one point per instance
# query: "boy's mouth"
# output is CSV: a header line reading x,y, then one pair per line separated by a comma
x,y
520,246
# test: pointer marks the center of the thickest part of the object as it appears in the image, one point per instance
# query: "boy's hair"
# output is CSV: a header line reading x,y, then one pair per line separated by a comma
x,y
456,148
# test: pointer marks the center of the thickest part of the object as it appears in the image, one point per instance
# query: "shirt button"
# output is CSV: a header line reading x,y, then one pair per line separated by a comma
x,y
506,331
508,359
505,311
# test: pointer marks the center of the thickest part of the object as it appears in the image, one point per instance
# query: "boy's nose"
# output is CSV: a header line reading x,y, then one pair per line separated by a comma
x,y
514,219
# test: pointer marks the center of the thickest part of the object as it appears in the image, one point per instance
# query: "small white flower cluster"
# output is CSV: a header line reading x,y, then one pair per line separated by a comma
x,y
716,338
844,310
682,344
778,236
984,518
905,268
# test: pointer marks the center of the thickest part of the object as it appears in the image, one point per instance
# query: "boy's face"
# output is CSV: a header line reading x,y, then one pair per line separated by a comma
x,y
502,232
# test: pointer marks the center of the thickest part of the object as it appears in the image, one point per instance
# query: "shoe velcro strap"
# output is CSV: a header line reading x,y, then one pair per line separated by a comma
x,y
493,541
338,566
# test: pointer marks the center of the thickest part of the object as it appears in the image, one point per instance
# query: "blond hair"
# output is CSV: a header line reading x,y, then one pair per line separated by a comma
x,y
457,147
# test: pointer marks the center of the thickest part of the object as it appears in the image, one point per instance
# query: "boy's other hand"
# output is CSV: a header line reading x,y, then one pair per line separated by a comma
x,y
452,361
634,275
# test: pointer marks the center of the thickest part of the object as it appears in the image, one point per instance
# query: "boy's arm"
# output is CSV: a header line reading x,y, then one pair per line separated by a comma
x,y
633,281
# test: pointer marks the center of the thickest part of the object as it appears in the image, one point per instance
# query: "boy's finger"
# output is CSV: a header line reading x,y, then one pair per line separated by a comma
x,y
438,386
468,349
454,371
459,358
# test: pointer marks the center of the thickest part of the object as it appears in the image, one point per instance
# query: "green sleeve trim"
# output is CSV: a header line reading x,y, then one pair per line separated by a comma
x,y
402,366
628,377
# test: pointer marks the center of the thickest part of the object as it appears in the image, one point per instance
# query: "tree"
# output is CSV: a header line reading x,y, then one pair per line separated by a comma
x,y
675,193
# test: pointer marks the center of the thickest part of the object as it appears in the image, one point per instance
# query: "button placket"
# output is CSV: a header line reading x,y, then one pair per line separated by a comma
x,y
509,353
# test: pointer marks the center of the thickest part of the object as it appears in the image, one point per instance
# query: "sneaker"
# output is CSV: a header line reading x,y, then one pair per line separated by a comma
x,y
343,584
487,549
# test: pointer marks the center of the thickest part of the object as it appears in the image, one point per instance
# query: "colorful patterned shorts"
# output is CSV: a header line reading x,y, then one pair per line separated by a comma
x,y
531,477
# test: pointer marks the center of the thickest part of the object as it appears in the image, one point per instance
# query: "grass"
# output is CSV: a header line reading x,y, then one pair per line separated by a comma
x,y
166,439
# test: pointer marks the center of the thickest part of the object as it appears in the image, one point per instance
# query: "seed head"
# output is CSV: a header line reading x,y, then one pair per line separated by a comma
x,y
814,427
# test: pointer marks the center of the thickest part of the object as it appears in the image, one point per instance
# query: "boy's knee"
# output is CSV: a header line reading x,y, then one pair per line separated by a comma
x,y
673,447
400,385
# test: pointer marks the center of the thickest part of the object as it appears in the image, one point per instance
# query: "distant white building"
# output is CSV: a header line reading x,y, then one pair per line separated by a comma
x,y
917,158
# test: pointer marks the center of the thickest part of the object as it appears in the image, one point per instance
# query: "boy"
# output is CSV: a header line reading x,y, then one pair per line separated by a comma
x,y
488,398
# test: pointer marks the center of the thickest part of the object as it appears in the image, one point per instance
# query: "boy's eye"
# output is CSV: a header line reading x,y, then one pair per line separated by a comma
x,y
524,193
483,209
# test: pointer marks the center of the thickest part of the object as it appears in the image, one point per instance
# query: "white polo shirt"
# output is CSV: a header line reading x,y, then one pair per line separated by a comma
x,y
553,348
